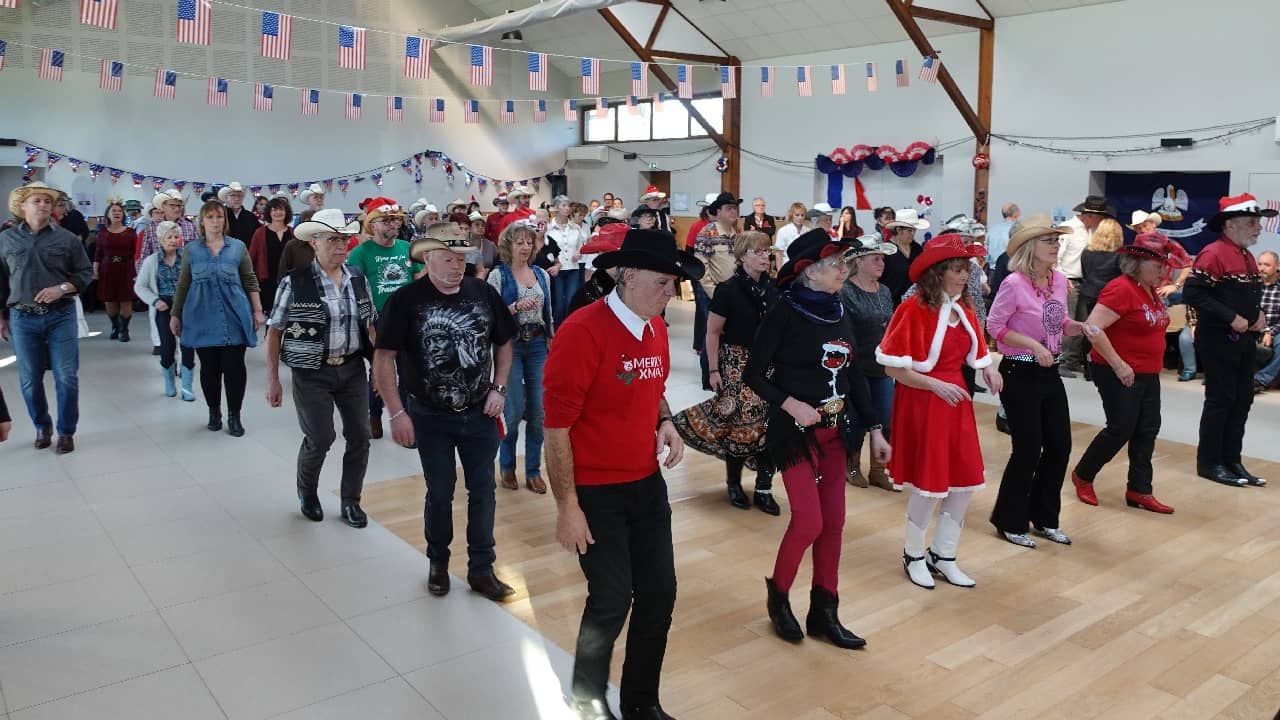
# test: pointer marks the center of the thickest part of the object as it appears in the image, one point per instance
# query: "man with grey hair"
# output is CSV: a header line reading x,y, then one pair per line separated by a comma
x,y
1268,265
1225,288
998,234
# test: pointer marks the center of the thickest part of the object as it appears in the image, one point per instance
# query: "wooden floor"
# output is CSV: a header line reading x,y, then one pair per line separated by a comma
x,y
1145,616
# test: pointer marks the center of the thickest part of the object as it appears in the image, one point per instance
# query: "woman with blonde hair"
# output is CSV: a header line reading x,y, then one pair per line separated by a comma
x,y
1099,264
797,224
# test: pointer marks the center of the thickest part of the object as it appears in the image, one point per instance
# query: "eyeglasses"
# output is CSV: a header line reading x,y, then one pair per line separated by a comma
x,y
388,220
758,252
1050,240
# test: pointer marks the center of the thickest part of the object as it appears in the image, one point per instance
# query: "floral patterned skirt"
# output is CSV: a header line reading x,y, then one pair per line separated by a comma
x,y
731,424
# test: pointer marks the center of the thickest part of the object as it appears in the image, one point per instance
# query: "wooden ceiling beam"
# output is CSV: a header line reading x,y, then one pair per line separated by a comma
x,y
980,129
951,18
657,25
692,57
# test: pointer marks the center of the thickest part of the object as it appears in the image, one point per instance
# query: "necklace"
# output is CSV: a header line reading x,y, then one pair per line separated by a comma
x,y
1043,285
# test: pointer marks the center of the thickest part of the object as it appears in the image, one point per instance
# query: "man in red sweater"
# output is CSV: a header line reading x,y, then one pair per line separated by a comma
x,y
606,424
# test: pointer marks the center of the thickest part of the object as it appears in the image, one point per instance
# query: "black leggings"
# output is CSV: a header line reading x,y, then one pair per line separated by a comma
x,y
220,365
169,344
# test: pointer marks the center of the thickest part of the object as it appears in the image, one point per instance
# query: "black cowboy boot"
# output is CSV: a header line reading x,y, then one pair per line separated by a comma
x,y
115,326
823,621
784,621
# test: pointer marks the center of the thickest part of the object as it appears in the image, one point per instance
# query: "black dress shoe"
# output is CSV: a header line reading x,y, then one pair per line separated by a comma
x,y
737,497
234,428
1002,424
490,586
1220,474
1238,470
597,709
766,503
653,712
438,578
44,438
215,420
65,445
354,516
311,508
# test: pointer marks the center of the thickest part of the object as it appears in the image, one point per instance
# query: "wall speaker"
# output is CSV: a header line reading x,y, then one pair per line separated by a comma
x,y
1176,142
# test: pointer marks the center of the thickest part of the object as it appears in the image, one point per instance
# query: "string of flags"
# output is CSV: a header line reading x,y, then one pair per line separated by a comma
x,y
412,166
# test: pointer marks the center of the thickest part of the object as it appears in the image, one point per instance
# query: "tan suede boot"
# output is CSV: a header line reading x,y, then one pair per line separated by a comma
x,y
879,477
855,476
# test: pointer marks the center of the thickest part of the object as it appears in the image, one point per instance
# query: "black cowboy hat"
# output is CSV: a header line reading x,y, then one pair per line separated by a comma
x,y
721,200
809,248
1097,205
652,250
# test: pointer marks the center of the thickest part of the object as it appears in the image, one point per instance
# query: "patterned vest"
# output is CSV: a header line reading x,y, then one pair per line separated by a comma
x,y
305,343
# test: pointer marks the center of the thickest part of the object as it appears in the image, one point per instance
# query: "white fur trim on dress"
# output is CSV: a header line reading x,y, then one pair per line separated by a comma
x,y
935,346
924,493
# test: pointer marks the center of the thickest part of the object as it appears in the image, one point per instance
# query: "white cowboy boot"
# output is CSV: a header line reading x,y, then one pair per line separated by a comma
x,y
942,555
913,557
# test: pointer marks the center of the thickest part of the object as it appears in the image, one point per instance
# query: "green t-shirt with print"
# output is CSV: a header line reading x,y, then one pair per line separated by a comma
x,y
387,268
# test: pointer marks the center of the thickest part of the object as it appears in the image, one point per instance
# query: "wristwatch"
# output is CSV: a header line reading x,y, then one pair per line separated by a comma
x,y
500,389
665,419
65,288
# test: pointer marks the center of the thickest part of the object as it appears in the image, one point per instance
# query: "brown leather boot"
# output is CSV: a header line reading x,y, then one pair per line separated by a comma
x,y
879,477
509,480
855,476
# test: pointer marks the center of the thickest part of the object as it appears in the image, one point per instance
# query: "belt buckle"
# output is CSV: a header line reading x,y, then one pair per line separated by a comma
x,y
833,407
335,361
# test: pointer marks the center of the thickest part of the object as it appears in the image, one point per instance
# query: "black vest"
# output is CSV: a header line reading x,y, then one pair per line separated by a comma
x,y
305,343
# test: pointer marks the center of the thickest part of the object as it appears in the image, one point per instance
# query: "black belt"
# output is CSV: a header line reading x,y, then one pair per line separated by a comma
x,y
40,308
529,332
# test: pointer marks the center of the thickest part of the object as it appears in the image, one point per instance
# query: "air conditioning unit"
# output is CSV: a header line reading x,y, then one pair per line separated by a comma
x,y
588,153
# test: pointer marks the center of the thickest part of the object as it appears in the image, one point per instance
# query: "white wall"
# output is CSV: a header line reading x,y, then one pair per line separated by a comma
x,y
693,173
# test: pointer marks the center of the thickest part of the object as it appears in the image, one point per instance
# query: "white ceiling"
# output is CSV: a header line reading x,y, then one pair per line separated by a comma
x,y
755,29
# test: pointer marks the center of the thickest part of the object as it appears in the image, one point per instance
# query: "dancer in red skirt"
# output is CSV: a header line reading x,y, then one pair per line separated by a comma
x,y
932,335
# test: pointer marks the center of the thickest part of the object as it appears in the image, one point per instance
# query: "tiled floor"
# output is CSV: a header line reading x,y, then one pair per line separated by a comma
x,y
163,571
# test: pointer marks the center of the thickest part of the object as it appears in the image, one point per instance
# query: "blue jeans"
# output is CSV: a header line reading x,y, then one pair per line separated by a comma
x,y
563,287
701,307
1187,349
1267,374
473,436
524,399
48,342
881,389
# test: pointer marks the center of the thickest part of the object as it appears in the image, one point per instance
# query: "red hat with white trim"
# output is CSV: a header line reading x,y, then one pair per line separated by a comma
x,y
652,192
1244,205
380,207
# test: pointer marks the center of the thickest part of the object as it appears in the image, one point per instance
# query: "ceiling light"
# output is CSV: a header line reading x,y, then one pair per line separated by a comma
x,y
515,37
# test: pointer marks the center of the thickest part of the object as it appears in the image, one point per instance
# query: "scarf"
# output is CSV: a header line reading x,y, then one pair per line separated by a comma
x,y
819,307
756,289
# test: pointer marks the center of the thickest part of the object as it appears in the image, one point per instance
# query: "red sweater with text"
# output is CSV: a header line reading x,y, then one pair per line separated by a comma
x,y
605,387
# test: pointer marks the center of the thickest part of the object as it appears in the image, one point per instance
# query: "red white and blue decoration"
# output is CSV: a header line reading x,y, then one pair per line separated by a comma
x,y
841,163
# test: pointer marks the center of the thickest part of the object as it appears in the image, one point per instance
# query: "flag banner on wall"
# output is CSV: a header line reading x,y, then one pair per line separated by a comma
x,y
684,81
1271,224
166,86
111,76
837,79
633,105
12,4
277,31
571,110
354,106
590,76
900,73
436,115
873,82
539,111
417,58
640,79
195,21
4,47
471,112
728,82
538,72
217,92
804,81
351,47
98,13
508,114
481,66
602,108
310,102
263,97
658,99
395,109
51,62
766,81
929,69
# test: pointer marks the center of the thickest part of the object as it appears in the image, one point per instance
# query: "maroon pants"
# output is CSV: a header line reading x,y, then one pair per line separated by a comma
x,y
817,515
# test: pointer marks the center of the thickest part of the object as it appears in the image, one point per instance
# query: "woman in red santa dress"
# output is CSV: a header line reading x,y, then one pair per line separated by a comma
x,y
929,339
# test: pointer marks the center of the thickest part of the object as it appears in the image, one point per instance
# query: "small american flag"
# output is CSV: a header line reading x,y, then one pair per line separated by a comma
x,y
471,112
900,73
354,106
395,109
633,105
929,69
508,115
538,72
417,58
684,81
570,110
837,79
602,108
436,115
194,21
351,47
804,81
51,65
98,13
873,83
217,95
481,65
277,30
590,76
111,76
166,85
766,81
639,79
310,101
13,4
263,97
4,46
728,82
658,99
1272,224
539,111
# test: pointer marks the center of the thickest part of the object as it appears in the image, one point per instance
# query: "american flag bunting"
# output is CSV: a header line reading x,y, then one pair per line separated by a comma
x,y
436,114
766,81
929,69
640,79
728,82
837,79
658,99
539,111
804,81
481,65
166,85
277,31
99,13
538,72
684,81
508,114
633,105
471,112
590,76
217,95
195,21
602,108
1272,224
417,58
11,4
900,73
571,110
263,97
351,47
4,47
354,106
51,62
873,83
310,102
111,76
395,109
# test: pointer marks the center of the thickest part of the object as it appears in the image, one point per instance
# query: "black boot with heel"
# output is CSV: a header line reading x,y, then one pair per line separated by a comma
x,y
823,621
784,621
215,419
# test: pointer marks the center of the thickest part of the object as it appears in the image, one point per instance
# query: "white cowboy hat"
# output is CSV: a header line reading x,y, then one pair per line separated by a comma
x,y
907,217
418,205
163,197
327,220
519,191
440,236
475,215
964,225
1140,217
872,245
230,188
456,202
313,189
710,198
421,216
824,208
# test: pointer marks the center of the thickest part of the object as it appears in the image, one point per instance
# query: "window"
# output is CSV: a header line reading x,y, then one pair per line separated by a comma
x,y
672,123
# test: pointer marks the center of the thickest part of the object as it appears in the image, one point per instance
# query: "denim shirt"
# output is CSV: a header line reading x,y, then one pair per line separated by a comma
x,y
31,262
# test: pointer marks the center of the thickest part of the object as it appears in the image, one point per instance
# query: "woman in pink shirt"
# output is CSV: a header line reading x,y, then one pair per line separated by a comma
x,y
1029,319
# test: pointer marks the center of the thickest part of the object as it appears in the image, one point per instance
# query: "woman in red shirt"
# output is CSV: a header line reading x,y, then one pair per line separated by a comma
x,y
1127,358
